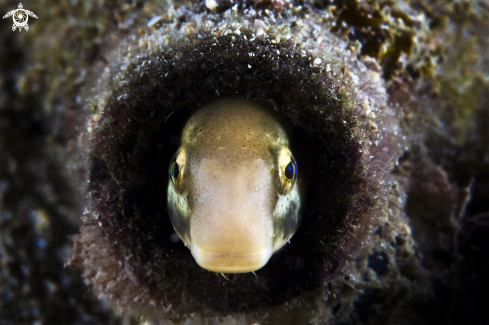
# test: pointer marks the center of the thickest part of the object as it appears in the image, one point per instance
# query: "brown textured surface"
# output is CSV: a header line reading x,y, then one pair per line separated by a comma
x,y
445,121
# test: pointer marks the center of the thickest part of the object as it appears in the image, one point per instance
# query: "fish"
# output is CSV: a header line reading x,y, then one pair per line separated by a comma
x,y
233,196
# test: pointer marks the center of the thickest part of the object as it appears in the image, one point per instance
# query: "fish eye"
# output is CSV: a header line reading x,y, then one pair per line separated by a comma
x,y
287,168
174,170
291,170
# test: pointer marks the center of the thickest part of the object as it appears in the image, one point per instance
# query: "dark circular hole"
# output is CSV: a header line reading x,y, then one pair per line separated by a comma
x,y
143,142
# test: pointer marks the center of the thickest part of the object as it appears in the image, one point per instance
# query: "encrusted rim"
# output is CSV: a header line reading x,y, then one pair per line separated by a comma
x,y
338,105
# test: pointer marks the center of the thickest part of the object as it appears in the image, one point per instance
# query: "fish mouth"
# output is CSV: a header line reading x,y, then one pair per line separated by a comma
x,y
231,262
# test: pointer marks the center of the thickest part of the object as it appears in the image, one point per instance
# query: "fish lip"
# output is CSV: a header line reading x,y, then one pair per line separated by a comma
x,y
231,262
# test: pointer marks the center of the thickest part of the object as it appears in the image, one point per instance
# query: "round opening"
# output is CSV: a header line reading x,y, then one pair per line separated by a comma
x,y
138,136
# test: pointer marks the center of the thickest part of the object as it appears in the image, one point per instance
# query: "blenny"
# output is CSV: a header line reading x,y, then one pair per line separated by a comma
x,y
233,196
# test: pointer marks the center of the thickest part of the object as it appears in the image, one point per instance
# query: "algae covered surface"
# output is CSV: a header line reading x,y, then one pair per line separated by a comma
x,y
389,106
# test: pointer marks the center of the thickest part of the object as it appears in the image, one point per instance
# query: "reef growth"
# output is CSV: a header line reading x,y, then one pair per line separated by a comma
x,y
390,159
